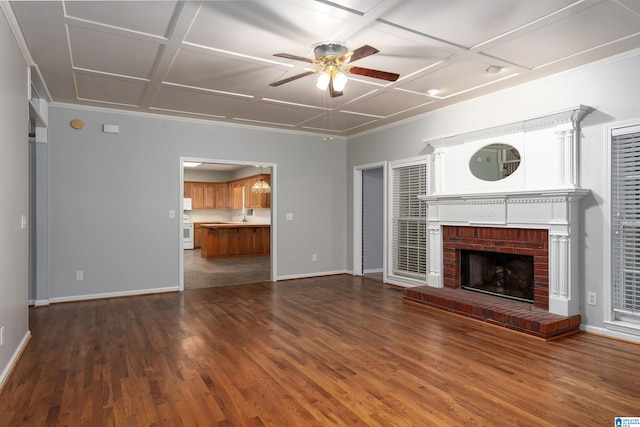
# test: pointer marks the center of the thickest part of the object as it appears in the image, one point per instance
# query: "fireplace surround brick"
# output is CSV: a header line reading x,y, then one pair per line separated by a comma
x,y
519,241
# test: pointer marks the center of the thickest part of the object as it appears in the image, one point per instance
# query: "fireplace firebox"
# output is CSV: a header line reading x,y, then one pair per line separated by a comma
x,y
502,274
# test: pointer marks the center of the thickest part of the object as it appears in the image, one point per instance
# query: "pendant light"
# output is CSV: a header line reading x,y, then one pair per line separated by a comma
x,y
261,186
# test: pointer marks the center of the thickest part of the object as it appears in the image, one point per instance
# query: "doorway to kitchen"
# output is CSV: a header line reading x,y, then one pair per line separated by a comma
x,y
368,220
233,227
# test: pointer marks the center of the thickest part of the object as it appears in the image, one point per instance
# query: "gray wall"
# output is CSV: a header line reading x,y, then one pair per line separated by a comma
x,y
110,197
14,201
373,219
610,87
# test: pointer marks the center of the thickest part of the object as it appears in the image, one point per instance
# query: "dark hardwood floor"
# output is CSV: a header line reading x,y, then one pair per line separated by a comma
x,y
336,350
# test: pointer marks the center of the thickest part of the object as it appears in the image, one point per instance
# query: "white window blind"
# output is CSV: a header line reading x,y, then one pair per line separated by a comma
x,y
408,220
625,214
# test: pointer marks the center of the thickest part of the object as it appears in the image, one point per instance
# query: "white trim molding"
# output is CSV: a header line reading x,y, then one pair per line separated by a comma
x,y
114,294
14,359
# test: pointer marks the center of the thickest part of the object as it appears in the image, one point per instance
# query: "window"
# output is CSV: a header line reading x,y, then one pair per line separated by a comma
x,y
625,223
408,221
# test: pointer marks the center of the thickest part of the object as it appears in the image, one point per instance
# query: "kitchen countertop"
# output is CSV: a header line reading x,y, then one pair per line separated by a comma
x,y
231,224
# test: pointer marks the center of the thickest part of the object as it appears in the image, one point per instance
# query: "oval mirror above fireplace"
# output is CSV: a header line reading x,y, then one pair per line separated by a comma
x,y
494,162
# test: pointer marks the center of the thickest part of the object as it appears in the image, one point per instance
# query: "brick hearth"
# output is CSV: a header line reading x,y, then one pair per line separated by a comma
x,y
516,315
533,319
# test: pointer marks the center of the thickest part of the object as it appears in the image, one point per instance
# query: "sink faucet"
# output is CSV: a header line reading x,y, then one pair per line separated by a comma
x,y
244,218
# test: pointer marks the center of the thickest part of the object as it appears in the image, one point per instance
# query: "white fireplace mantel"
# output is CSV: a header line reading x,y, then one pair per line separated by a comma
x,y
552,209
543,193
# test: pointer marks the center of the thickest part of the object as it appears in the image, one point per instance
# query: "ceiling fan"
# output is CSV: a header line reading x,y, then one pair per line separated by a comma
x,y
334,58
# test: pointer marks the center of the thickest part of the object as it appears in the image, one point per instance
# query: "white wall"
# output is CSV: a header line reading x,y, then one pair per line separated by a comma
x,y
14,191
610,87
110,197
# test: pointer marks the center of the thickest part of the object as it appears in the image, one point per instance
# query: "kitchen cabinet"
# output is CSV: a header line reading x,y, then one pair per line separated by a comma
x,y
257,200
209,195
222,196
197,236
235,195
227,195
223,241
195,190
263,240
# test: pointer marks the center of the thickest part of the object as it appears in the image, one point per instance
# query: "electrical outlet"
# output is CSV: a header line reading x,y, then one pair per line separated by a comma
x,y
592,298
79,275
314,257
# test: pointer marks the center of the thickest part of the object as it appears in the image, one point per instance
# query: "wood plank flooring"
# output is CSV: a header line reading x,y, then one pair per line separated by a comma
x,y
335,350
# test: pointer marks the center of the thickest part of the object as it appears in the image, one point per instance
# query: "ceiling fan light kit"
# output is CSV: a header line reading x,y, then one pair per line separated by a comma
x,y
332,58
329,48
323,81
339,80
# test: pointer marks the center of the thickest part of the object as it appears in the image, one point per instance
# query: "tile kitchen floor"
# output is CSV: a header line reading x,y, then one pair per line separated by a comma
x,y
203,273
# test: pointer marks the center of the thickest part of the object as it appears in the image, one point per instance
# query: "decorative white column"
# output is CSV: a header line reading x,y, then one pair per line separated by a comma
x,y
434,277
560,286
567,155
438,168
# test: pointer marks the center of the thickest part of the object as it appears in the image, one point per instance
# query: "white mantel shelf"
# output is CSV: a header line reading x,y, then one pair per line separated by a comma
x,y
531,208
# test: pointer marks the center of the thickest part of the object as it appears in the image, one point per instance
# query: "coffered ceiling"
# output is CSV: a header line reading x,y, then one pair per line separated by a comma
x,y
214,59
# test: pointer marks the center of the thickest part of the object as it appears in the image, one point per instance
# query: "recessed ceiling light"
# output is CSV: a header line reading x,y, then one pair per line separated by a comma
x,y
494,69
191,164
433,92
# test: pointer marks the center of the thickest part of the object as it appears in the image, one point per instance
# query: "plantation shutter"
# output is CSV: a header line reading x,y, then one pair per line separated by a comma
x,y
625,227
408,220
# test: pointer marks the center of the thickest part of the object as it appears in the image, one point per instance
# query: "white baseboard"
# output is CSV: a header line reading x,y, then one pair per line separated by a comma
x,y
114,294
373,270
41,302
610,334
305,276
14,359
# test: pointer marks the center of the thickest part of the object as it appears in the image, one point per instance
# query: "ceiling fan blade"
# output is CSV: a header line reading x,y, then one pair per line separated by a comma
x,y
360,53
376,74
297,58
332,91
292,78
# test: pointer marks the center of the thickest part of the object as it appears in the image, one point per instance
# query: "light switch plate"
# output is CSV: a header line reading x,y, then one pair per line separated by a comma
x,y
289,216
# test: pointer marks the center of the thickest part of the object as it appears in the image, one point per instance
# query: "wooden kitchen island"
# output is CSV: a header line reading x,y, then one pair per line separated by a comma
x,y
224,240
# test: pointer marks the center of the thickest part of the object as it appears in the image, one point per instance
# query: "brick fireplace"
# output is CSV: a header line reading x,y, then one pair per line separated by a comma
x,y
518,241
534,223
531,212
